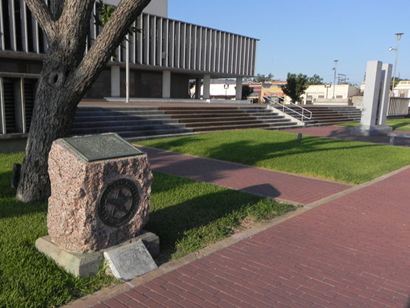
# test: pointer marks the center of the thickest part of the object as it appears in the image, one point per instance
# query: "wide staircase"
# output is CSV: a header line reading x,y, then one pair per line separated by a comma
x,y
326,115
210,118
130,123
146,122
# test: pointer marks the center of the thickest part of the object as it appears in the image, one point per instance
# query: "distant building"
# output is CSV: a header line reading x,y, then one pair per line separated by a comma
x,y
269,88
402,89
166,56
219,89
328,94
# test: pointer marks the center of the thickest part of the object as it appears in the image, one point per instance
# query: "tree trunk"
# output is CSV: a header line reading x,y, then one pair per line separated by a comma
x,y
68,72
53,113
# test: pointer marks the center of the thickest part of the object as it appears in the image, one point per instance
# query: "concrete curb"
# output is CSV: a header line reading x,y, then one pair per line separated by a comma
x,y
106,293
353,189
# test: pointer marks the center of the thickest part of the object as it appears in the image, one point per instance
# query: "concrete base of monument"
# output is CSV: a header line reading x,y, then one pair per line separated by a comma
x,y
376,130
88,264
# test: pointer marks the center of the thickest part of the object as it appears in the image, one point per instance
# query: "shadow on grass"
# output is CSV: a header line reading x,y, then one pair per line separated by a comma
x,y
5,188
249,153
398,125
9,206
208,216
178,142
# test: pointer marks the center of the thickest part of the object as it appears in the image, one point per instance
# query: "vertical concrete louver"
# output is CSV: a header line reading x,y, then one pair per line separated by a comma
x,y
159,42
16,102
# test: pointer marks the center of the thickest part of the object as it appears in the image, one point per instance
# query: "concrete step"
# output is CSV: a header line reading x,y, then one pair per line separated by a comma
x,y
138,127
208,115
184,119
257,111
333,119
119,113
229,123
167,108
332,112
267,117
166,135
279,127
123,107
324,123
328,109
220,115
197,109
213,119
221,124
282,123
134,134
119,118
226,127
329,117
134,122
204,113
324,112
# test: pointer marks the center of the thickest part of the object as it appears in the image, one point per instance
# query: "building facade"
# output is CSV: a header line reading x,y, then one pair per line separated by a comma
x,y
268,88
340,94
165,57
402,89
221,89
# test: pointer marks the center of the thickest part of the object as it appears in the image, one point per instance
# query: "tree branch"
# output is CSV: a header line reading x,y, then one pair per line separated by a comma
x,y
56,8
111,36
73,26
42,14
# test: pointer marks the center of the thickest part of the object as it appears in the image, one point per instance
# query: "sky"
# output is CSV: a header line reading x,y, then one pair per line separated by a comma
x,y
306,36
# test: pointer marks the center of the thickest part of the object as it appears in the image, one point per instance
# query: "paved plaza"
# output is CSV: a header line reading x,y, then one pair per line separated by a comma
x,y
351,251
258,181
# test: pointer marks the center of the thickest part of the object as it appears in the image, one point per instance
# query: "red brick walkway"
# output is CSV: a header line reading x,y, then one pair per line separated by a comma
x,y
319,131
353,251
258,181
338,132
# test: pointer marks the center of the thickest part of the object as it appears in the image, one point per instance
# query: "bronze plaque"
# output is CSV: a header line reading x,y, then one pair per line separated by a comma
x,y
101,147
118,203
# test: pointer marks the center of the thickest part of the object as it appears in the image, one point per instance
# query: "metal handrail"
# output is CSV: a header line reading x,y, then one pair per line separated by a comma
x,y
283,106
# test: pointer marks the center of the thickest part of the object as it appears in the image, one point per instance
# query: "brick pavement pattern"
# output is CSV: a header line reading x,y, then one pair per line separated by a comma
x,y
352,251
302,190
319,131
338,132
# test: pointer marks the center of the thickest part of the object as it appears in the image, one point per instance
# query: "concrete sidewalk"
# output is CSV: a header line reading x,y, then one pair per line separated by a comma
x,y
352,251
262,182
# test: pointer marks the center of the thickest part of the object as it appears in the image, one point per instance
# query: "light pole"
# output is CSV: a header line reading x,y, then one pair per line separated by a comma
x,y
226,87
327,86
127,69
334,78
396,61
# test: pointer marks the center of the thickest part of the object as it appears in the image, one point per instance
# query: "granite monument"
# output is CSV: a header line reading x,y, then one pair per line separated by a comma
x,y
100,191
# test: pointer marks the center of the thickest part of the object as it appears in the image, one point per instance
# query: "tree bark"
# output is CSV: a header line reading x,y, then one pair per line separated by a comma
x,y
66,76
52,116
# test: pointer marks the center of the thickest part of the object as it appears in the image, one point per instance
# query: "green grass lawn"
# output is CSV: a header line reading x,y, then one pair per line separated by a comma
x,y
344,161
186,215
402,124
